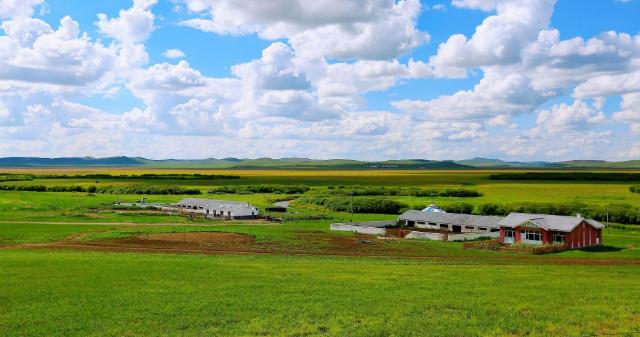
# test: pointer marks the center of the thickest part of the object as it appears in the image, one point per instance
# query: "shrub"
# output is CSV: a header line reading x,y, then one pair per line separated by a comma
x,y
357,190
251,189
30,188
157,190
15,177
360,205
463,208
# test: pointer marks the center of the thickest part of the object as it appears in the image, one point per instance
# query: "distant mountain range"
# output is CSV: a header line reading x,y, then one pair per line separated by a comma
x,y
305,163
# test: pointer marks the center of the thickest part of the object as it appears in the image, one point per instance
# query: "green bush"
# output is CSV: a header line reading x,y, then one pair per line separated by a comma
x,y
463,208
157,190
15,177
357,190
251,189
30,188
360,205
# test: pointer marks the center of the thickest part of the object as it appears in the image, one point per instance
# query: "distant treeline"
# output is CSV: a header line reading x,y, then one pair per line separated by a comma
x,y
402,191
157,190
251,189
15,177
147,176
360,205
614,213
568,176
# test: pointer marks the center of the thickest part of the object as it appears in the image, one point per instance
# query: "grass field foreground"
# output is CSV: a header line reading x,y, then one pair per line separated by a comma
x,y
175,295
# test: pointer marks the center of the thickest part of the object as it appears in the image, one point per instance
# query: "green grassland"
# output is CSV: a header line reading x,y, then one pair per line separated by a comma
x,y
107,294
403,288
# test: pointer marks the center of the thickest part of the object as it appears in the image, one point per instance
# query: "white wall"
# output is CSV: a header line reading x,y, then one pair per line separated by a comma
x,y
357,229
451,236
473,236
426,235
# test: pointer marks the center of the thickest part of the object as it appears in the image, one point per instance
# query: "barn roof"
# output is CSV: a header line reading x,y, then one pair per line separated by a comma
x,y
214,203
548,222
452,218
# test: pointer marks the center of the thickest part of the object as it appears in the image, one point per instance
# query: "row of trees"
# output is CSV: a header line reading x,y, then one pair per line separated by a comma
x,y
402,191
251,189
146,176
107,189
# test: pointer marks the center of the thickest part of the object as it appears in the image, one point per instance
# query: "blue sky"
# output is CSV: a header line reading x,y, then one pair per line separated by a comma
x,y
363,79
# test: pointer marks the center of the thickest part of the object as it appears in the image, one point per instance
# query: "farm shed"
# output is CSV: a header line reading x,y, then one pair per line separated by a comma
x,y
369,227
212,208
452,222
538,229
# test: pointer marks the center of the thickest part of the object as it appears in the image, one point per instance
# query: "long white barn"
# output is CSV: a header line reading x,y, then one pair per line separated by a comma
x,y
457,223
212,208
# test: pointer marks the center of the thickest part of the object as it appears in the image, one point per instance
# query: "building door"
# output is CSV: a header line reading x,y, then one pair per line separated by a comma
x,y
457,229
509,236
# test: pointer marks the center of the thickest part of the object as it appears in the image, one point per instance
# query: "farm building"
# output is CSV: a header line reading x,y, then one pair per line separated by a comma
x,y
573,231
211,208
456,223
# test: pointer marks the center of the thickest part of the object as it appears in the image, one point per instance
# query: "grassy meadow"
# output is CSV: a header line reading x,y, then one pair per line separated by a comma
x,y
107,294
297,278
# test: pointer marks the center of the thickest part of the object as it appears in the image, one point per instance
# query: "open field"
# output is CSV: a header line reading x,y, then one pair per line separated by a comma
x,y
106,294
73,265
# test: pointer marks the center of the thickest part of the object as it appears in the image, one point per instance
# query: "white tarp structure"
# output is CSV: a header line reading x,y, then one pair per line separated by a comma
x,y
212,208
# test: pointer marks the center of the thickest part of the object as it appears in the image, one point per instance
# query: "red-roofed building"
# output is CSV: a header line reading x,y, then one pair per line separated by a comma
x,y
538,229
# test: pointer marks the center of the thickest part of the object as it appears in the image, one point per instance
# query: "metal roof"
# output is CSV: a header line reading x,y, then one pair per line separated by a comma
x,y
452,218
216,204
560,223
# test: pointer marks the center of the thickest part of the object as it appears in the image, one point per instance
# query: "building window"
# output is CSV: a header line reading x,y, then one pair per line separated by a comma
x,y
483,228
509,233
469,227
444,226
532,236
558,237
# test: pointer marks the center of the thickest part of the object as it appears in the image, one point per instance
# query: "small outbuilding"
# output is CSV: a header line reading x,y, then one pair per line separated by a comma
x,y
538,229
452,222
212,208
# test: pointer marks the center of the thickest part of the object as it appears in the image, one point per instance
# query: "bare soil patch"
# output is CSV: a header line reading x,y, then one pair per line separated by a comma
x,y
200,237
305,244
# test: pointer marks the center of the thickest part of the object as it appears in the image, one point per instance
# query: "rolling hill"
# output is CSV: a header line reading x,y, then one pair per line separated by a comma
x,y
306,163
